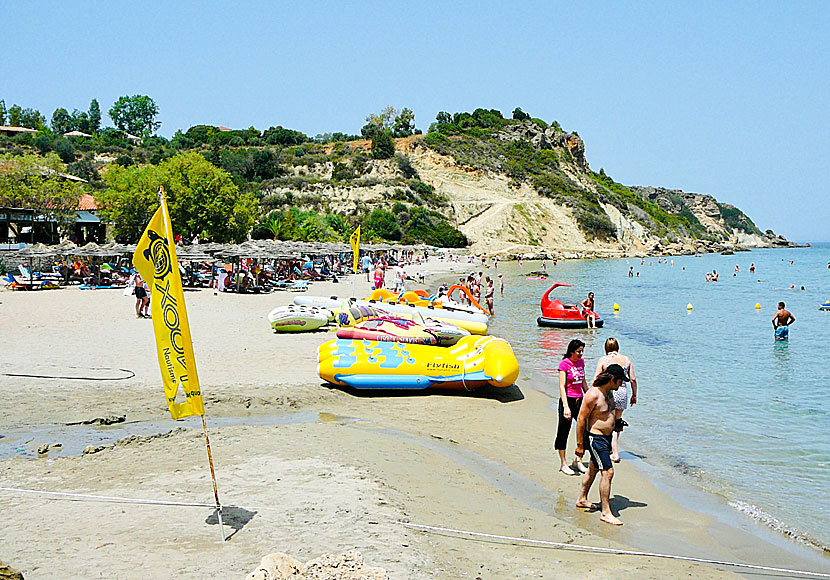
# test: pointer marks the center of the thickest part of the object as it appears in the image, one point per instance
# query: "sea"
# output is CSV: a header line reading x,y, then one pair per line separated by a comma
x,y
721,404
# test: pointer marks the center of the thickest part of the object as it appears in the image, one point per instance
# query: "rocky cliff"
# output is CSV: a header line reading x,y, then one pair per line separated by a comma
x,y
517,187
502,214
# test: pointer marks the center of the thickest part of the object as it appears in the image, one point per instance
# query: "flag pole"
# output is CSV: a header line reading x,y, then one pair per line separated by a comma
x,y
213,477
204,424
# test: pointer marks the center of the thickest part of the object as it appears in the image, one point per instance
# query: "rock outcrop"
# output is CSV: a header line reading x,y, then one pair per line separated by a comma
x,y
348,566
548,138
9,573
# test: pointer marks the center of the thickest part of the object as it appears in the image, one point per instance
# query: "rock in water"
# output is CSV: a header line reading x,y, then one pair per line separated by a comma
x,y
348,566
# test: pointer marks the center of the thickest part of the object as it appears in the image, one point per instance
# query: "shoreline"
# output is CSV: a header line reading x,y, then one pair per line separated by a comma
x,y
691,494
466,461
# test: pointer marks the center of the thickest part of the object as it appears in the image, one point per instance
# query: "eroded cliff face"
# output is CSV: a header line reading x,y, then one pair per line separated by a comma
x,y
498,216
502,215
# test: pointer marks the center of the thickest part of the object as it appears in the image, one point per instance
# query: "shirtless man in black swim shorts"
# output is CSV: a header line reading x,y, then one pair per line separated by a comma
x,y
596,417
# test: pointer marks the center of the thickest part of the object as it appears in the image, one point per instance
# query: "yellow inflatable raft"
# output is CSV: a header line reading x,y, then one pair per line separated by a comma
x,y
366,364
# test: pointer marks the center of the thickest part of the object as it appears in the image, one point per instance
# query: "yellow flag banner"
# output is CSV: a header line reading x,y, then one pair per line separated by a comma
x,y
355,242
155,259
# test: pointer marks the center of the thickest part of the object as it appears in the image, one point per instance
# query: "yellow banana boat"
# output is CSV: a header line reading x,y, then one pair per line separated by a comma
x,y
366,364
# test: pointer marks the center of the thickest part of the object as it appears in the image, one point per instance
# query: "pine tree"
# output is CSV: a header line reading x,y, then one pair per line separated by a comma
x,y
94,116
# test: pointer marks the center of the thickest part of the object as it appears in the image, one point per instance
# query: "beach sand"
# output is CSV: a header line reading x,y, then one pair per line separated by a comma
x,y
313,468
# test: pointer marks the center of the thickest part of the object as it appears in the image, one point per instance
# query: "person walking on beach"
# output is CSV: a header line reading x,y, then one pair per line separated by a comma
x,y
379,276
141,297
596,423
613,356
781,322
572,386
366,264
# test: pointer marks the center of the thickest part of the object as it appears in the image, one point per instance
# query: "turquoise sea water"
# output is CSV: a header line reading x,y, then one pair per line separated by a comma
x,y
720,403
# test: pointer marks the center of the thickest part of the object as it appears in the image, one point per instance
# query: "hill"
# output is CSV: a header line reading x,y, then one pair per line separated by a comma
x,y
507,186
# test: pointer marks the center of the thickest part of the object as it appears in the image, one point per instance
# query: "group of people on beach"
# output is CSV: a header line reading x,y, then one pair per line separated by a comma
x,y
598,412
478,284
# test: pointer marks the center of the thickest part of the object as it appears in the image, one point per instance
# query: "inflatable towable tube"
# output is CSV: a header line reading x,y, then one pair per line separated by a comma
x,y
394,329
294,318
472,322
473,362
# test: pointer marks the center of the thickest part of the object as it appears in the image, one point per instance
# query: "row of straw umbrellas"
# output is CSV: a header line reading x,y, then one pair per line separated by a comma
x,y
260,249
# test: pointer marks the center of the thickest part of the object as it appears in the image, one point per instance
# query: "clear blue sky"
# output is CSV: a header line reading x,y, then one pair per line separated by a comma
x,y
727,98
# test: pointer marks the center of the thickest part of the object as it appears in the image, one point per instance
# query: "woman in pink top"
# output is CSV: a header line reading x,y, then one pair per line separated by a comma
x,y
572,386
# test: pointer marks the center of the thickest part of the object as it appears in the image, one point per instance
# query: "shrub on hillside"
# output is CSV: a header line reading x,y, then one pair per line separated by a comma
x,y
383,146
383,223
595,223
405,166
431,228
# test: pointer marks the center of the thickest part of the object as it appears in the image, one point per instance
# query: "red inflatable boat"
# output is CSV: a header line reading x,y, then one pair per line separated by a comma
x,y
559,315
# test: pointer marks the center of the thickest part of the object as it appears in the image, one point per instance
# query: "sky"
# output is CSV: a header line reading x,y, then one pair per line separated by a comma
x,y
725,98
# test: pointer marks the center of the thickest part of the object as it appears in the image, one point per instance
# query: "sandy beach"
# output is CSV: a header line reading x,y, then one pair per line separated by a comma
x,y
312,469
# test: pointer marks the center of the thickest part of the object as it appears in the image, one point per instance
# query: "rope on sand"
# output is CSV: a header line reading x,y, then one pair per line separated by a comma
x,y
107,498
545,543
434,529
129,374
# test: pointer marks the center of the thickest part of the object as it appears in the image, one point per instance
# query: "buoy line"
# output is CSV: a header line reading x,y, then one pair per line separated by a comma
x,y
545,543
425,528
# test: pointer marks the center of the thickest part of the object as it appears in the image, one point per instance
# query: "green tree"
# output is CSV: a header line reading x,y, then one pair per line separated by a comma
x,y
383,146
202,199
432,228
384,224
34,182
136,115
80,120
3,112
61,121
443,118
14,115
30,118
377,123
94,116
404,125
520,115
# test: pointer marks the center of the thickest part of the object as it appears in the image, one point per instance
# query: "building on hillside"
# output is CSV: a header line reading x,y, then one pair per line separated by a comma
x,y
31,226
12,131
76,134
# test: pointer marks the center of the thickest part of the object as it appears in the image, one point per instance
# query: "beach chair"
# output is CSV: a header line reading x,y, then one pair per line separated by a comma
x,y
21,283
298,286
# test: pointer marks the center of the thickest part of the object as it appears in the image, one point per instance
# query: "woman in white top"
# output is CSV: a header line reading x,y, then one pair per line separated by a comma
x,y
613,356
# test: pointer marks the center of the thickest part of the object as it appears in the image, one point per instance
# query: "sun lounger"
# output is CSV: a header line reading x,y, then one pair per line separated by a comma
x,y
298,286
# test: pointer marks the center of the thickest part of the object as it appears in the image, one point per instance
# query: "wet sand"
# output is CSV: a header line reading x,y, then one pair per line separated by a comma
x,y
314,469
